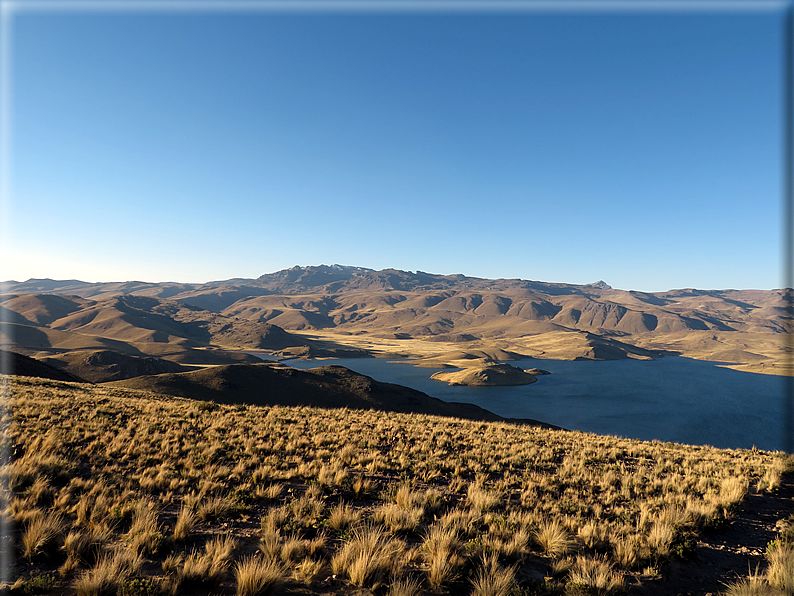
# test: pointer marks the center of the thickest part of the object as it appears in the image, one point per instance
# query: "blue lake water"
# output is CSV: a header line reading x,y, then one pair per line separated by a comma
x,y
671,399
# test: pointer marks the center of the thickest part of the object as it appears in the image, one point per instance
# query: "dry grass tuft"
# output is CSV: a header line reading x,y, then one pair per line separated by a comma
x,y
481,499
364,486
209,567
442,554
749,587
144,534
368,557
272,491
185,521
553,538
108,574
257,576
492,579
42,533
214,508
780,573
86,546
398,519
660,538
343,516
405,587
308,570
626,551
596,573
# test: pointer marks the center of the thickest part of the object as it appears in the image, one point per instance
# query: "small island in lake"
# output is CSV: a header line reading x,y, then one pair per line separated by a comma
x,y
487,375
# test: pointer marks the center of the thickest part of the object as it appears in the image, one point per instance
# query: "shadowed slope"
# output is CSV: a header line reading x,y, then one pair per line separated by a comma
x,y
326,387
108,365
25,366
42,309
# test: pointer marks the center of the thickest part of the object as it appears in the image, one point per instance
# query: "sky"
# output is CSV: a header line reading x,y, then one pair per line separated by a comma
x,y
562,144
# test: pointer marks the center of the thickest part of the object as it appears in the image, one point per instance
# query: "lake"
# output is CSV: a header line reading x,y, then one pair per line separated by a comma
x,y
671,399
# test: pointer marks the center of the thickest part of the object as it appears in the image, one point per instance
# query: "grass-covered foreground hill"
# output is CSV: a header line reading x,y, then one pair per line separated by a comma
x,y
117,491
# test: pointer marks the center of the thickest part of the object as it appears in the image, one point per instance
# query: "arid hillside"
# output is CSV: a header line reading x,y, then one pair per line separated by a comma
x,y
127,335
394,312
119,491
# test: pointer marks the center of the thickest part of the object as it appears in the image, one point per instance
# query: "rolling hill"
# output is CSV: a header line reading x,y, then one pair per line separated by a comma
x,y
393,312
86,336
323,387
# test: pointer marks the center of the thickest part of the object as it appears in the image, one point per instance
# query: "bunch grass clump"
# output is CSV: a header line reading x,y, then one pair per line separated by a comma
x,y
553,538
206,568
368,557
109,573
42,532
492,579
257,576
596,573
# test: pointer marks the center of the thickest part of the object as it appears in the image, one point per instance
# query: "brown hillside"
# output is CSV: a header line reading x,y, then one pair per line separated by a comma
x,y
51,340
42,309
325,387
25,366
98,366
348,304
135,325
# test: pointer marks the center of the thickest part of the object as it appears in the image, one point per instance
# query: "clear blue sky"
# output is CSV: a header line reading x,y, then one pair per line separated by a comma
x,y
637,147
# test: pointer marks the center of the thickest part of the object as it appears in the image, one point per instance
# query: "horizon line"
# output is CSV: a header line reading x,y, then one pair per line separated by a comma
x,y
5,283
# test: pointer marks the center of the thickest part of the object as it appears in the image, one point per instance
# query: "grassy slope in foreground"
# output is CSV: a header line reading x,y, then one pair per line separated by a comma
x,y
129,491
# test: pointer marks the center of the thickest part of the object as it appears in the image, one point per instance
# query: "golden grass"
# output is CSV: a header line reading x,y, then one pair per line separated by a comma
x,y
492,579
184,523
596,573
108,574
257,576
42,531
205,568
368,557
780,573
747,587
133,482
777,580
405,587
553,538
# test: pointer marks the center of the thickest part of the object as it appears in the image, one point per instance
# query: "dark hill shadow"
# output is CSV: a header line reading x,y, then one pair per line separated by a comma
x,y
325,387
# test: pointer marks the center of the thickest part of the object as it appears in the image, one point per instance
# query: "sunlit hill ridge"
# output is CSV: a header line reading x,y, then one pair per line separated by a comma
x,y
393,312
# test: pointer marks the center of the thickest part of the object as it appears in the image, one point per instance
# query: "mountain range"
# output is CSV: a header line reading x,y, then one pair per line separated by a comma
x,y
342,310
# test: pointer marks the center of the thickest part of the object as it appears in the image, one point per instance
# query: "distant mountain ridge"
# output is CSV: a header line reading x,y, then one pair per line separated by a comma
x,y
296,279
355,303
327,278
